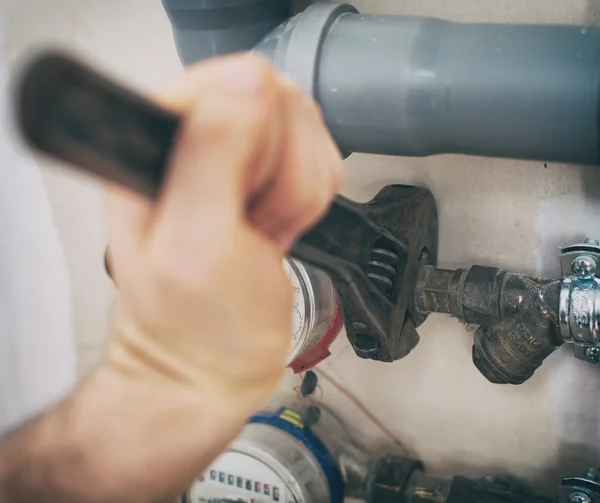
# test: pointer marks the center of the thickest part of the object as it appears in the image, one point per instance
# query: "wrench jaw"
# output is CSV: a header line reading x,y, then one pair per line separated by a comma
x,y
381,317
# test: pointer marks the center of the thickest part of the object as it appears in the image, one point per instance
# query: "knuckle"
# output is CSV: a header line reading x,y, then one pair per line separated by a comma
x,y
213,125
255,119
296,94
305,219
291,87
300,189
321,201
206,127
337,174
262,66
309,207
252,73
313,109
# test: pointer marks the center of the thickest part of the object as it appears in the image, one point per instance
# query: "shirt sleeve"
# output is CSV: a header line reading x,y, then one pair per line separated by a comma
x,y
37,347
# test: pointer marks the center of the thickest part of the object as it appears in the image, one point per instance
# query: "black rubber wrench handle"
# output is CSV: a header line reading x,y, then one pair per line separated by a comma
x,y
73,113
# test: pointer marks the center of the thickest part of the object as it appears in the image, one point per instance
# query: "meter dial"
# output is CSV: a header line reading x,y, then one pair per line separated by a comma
x,y
274,460
299,314
297,320
238,477
316,316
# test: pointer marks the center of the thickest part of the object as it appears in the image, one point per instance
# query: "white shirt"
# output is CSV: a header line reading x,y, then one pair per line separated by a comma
x,y
37,347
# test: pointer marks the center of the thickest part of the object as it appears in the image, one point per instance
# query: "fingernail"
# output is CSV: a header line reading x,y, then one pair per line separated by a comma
x,y
244,74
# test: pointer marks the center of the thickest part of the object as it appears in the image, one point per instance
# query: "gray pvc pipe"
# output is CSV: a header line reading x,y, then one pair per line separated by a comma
x,y
206,28
403,85
414,86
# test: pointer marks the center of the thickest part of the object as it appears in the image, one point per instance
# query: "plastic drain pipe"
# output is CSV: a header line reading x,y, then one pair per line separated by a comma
x,y
414,86
206,28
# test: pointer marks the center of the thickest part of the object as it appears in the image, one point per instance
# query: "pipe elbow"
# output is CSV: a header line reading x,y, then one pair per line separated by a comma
x,y
207,28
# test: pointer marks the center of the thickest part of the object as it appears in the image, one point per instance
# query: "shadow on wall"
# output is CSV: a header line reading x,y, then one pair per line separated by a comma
x,y
573,386
300,5
569,213
573,459
591,184
593,12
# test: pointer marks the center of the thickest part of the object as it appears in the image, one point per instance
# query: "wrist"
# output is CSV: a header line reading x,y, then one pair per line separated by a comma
x,y
121,433
188,426
166,424
138,356
197,395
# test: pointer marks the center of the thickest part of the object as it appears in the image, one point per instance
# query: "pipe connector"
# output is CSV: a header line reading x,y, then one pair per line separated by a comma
x,y
295,46
579,304
517,315
522,319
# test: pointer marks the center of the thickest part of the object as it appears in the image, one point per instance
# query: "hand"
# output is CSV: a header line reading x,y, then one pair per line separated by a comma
x,y
203,299
203,324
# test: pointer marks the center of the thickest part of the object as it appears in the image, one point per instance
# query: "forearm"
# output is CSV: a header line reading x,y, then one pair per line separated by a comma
x,y
119,438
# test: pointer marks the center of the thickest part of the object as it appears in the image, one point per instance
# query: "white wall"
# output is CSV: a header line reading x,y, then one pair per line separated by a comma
x,y
492,212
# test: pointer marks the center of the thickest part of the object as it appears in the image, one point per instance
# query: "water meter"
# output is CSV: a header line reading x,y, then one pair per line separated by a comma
x,y
316,315
276,459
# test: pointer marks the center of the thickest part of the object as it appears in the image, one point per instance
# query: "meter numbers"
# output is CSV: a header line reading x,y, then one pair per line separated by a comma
x,y
254,491
298,302
239,478
298,331
297,321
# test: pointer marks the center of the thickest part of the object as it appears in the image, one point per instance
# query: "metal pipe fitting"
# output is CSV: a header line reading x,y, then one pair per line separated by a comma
x,y
580,311
394,479
522,320
582,489
517,315
580,294
579,304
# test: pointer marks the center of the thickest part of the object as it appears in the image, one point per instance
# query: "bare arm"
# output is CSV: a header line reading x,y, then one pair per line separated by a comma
x,y
202,330
119,438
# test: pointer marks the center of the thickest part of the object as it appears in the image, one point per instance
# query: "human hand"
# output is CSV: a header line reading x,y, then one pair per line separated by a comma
x,y
203,299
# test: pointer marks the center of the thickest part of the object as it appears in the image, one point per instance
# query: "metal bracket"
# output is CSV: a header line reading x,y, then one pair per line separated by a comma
x,y
579,305
299,42
579,490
